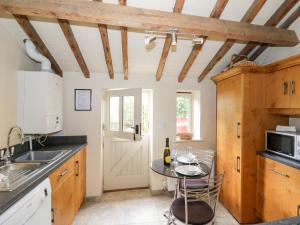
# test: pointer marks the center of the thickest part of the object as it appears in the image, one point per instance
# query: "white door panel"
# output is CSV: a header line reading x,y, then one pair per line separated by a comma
x,y
125,149
125,164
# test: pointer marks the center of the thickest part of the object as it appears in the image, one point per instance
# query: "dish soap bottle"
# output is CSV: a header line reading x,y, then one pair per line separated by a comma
x,y
167,155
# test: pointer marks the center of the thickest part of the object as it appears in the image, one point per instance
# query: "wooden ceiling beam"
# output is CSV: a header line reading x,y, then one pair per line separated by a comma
x,y
287,23
165,52
24,22
146,19
247,18
105,42
106,48
2,10
281,12
69,35
216,13
124,39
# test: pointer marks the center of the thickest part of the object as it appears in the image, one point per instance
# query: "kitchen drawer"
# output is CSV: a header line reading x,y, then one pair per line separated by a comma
x,y
62,173
278,190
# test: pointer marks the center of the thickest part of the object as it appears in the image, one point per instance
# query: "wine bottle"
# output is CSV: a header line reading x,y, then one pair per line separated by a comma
x,y
167,155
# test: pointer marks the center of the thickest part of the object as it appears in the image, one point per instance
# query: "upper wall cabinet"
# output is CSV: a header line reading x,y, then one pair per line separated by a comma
x,y
283,87
40,102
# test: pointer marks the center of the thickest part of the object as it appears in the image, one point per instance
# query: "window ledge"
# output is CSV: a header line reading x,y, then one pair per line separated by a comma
x,y
193,140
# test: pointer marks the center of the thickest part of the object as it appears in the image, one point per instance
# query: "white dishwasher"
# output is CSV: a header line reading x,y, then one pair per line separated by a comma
x,y
33,209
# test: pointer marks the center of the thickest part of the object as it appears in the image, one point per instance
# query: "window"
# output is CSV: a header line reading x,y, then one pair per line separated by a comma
x,y
184,112
114,113
128,113
145,111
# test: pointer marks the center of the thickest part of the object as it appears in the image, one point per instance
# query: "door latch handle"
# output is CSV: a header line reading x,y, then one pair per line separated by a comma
x,y
137,129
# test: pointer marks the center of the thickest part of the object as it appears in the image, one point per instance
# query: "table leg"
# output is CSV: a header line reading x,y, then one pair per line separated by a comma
x,y
168,213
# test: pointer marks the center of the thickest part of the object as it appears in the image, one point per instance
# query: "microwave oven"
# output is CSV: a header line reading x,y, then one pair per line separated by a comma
x,y
283,143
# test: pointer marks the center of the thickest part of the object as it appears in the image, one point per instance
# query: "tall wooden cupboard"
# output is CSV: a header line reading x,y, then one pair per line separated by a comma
x,y
241,123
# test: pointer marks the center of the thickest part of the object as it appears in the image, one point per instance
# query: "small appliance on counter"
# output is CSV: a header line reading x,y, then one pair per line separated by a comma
x,y
286,128
283,143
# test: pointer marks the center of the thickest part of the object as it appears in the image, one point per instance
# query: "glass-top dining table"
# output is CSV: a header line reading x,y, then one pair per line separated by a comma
x,y
159,167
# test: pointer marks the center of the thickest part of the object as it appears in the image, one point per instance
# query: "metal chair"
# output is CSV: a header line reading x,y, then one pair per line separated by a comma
x,y
197,206
203,156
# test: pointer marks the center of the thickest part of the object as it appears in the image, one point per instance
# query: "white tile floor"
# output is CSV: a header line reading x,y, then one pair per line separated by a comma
x,y
133,208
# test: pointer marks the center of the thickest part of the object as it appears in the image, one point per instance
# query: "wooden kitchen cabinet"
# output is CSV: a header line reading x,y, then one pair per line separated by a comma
x,y
283,87
278,193
68,188
62,184
229,93
80,177
294,76
241,123
278,94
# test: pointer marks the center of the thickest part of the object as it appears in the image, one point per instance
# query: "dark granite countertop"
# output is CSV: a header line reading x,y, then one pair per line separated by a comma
x,y
74,144
288,221
281,159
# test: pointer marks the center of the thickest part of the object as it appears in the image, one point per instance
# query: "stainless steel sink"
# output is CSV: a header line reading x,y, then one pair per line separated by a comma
x,y
40,156
15,174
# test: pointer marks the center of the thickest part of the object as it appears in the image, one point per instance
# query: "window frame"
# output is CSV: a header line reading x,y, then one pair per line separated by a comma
x,y
185,93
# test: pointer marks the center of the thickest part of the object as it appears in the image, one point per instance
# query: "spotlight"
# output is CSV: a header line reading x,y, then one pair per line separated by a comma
x,y
174,36
149,39
197,40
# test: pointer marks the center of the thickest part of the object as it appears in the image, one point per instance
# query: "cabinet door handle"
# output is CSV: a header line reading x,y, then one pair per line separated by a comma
x,y
238,126
284,87
64,173
280,173
292,84
52,215
77,168
238,164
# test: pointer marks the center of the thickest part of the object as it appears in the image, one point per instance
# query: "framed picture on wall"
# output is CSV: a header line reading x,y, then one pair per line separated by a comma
x,y
83,100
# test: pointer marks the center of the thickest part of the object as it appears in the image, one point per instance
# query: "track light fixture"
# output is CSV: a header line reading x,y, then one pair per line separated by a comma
x,y
173,32
174,36
149,39
197,40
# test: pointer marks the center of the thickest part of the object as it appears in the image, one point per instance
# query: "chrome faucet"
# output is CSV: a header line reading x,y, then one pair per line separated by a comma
x,y
20,133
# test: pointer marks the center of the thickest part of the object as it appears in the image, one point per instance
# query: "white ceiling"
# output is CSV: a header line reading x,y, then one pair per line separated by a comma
x,y
141,60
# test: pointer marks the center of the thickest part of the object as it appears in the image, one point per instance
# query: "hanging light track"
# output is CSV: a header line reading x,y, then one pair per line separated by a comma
x,y
151,36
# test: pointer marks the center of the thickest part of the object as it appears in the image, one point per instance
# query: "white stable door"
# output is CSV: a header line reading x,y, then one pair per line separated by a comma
x,y
125,148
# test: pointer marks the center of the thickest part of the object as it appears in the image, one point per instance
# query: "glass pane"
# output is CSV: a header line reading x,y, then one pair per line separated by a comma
x,y
128,113
145,112
184,113
114,119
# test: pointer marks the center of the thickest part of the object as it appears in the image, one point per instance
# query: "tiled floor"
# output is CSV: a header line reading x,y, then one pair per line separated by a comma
x,y
133,208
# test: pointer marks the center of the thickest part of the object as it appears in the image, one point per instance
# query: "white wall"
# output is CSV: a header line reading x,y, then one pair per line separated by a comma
x,y
164,116
12,59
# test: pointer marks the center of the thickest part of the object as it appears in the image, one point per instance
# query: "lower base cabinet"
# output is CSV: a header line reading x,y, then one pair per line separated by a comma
x,y
68,188
278,190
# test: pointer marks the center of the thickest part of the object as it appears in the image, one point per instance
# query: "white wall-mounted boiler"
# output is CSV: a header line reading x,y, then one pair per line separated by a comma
x,y
40,102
